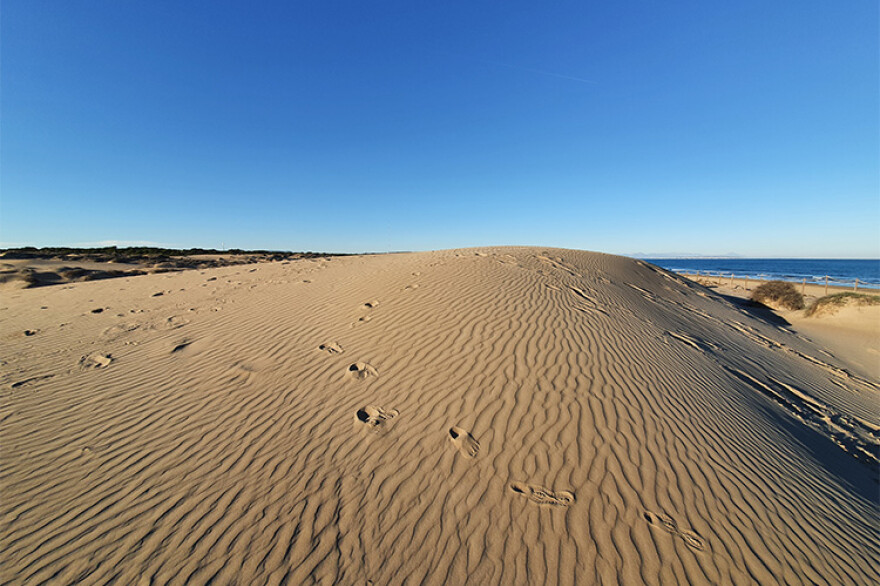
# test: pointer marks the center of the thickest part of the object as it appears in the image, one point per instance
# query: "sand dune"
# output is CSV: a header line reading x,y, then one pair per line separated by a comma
x,y
491,416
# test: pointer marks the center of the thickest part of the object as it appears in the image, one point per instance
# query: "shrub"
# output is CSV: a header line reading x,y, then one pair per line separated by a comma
x,y
778,294
831,303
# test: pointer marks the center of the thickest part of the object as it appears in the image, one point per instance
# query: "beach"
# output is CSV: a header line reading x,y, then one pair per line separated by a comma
x,y
507,415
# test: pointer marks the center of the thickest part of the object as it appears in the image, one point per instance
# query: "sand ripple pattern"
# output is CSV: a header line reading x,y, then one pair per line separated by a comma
x,y
505,416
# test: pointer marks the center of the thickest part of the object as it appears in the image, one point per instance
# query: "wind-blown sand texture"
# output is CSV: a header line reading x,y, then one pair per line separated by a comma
x,y
491,416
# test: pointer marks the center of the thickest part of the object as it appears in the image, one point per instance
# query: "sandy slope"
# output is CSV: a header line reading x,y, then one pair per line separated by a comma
x,y
852,332
514,415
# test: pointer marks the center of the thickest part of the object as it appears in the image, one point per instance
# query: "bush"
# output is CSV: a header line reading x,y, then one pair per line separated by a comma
x,y
830,303
778,294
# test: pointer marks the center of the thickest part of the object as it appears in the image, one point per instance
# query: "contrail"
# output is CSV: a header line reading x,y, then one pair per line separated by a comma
x,y
539,71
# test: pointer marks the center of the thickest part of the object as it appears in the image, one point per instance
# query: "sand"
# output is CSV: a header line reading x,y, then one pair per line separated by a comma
x,y
491,416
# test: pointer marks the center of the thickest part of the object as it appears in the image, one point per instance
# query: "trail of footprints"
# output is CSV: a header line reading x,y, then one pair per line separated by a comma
x,y
853,435
379,419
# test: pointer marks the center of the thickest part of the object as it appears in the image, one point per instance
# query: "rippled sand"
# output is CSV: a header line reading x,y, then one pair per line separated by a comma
x,y
491,416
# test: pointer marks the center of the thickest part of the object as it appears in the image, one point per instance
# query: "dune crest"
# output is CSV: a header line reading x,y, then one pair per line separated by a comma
x,y
498,416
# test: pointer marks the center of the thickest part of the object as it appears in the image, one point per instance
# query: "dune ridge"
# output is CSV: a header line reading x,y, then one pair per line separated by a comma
x,y
496,415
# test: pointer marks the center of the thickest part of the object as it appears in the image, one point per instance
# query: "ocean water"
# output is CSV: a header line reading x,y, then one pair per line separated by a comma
x,y
839,271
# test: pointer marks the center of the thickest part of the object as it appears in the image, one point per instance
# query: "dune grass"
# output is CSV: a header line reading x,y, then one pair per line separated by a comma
x,y
838,300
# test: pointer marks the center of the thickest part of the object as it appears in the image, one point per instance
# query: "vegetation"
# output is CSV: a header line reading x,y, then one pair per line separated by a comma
x,y
778,294
830,303
141,260
140,254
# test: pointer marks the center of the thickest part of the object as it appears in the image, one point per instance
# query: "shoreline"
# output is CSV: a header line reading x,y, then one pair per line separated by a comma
x,y
805,286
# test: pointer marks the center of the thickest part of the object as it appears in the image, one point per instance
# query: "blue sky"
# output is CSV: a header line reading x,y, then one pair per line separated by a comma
x,y
705,127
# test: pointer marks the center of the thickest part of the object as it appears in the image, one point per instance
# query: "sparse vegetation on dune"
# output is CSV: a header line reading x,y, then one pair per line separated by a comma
x,y
140,254
831,303
778,294
141,261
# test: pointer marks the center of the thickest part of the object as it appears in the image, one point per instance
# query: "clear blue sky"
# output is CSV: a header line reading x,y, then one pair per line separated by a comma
x,y
706,127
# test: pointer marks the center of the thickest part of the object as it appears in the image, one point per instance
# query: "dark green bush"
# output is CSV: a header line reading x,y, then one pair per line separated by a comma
x,y
778,294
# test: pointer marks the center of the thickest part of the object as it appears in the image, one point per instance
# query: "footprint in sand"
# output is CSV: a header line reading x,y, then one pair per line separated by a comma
x,y
331,348
29,381
376,418
668,524
371,304
543,496
181,346
464,442
96,361
361,371
174,322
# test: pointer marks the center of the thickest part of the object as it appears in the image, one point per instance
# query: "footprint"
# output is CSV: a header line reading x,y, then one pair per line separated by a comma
x,y
464,442
692,341
543,496
361,371
371,304
376,418
96,361
180,346
669,525
174,322
29,381
411,287
664,522
693,540
331,348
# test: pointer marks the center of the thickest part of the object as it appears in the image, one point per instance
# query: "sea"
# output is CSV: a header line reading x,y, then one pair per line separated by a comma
x,y
814,270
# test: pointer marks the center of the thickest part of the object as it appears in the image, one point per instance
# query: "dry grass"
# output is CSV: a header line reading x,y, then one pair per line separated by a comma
x,y
831,303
